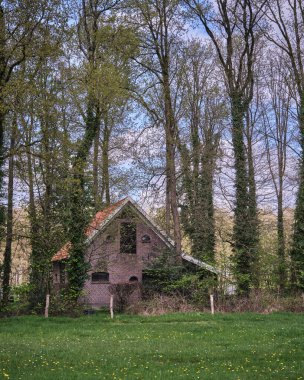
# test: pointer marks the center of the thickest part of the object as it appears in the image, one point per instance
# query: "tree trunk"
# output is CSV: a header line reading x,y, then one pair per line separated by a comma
x,y
35,295
241,228
195,141
77,267
171,177
105,161
47,205
168,204
2,113
170,130
297,251
2,209
206,199
252,206
96,195
281,238
7,261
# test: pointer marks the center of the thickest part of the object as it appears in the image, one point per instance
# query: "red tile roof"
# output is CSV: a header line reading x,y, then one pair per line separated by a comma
x,y
99,218
63,253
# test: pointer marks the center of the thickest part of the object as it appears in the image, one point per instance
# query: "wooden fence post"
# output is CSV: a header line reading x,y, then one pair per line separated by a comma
x,y
111,306
212,303
47,303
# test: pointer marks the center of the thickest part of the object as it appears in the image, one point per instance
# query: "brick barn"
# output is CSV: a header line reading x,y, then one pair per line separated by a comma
x,y
122,241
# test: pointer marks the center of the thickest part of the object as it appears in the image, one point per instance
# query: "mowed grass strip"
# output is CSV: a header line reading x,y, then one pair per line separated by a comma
x,y
175,346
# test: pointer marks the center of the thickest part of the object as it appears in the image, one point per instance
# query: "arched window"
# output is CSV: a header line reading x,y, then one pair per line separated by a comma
x,y
100,277
133,279
146,239
109,239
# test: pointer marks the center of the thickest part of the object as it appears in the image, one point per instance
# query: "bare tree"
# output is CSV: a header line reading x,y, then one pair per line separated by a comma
x,y
288,20
233,30
277,133
200,133
159,25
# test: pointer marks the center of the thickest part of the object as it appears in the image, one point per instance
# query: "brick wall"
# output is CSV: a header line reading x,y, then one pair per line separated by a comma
x,y
104,255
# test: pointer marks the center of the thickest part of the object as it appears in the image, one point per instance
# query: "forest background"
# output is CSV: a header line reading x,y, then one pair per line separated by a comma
x,y
195,108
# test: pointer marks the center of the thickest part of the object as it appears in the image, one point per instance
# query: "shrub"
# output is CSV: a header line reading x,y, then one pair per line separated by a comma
x,y
15,309
63,304
19,304
162,304
260,301
123,293
170,279
21,292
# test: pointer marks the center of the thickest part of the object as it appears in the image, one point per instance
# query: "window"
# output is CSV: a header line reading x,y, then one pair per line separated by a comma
x,y
100,277
62,273
128,237
133,279
146,239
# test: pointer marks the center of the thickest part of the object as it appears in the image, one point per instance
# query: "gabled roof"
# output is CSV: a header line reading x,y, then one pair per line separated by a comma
x,y
103,218
97,223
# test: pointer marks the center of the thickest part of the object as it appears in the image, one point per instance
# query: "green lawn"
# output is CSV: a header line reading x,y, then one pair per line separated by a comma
x,y
176,346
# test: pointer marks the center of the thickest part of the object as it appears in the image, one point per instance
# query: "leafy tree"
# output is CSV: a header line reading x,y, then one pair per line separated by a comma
x,y
93,31
23,29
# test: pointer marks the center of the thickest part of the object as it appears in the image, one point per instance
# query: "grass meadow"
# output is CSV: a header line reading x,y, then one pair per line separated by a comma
x,y
175,346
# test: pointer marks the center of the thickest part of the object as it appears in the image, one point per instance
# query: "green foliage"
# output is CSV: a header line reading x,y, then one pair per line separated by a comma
x,y
21,292
167,277
47,235
195,287
77,269
245,229
18,301
63,303
107,47
161,279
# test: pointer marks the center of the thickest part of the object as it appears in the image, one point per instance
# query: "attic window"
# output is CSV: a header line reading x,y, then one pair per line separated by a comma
x,y
100,277
146,239
62,275
128,237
